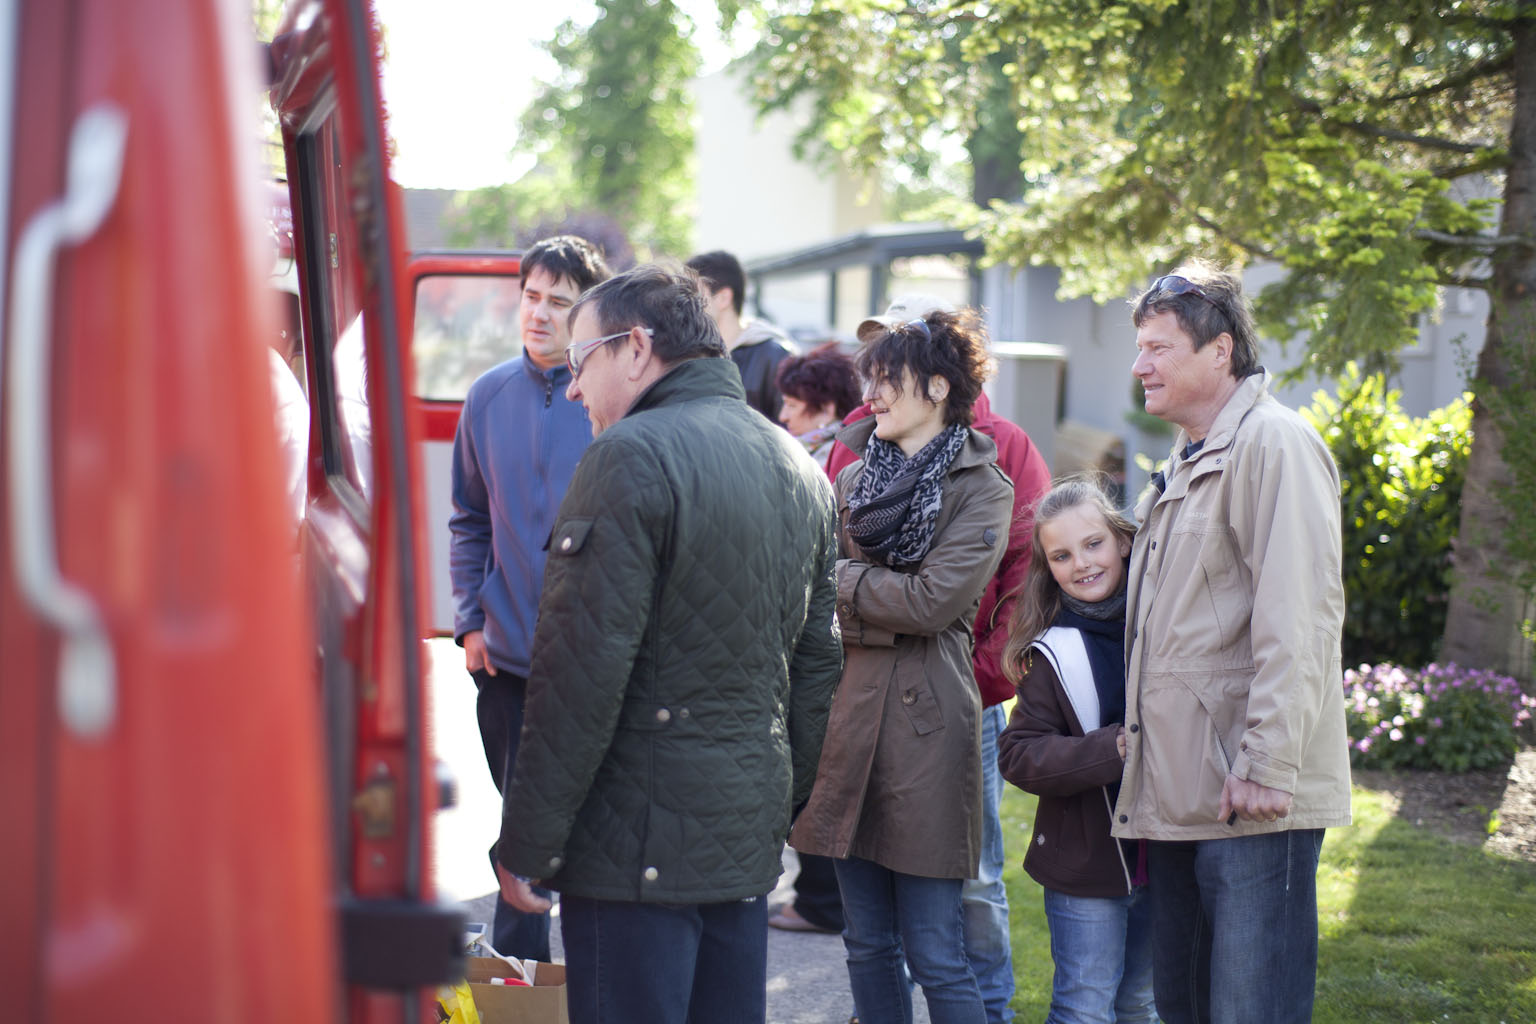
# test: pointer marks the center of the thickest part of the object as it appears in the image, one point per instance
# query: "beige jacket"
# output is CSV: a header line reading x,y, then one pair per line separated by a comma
x,y
899,781
1234,613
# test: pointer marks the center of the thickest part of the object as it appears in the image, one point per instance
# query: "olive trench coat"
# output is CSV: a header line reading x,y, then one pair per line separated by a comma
x,y
899,781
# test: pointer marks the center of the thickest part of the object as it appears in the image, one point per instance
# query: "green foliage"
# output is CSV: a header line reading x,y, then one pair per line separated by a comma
x,y
1327,136
1440,717
1401,483
612,135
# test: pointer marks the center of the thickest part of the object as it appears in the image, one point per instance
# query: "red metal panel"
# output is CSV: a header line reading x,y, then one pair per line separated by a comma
x,y
187,850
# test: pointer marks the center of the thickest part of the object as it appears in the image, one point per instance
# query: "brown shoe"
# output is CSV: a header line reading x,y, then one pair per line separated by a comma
x,y
787,919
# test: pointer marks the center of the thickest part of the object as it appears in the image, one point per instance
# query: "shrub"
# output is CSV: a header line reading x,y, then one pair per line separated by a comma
x,y
1440,717
1401,480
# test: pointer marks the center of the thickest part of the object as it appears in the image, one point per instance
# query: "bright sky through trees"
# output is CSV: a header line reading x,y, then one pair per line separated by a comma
x,y
459,74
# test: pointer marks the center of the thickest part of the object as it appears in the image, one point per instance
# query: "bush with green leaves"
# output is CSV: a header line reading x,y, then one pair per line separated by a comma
x,y
1440,717
1401,480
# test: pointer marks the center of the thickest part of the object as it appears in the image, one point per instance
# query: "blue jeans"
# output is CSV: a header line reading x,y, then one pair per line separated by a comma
x,y
888,916
499,708
665,963
984,897
1236,928
1102,949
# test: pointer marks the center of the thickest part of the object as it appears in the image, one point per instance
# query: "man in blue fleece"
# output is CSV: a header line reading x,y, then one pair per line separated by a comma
x,y
517,444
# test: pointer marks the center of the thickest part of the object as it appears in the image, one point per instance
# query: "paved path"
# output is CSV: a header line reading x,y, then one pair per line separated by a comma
x,y
807,981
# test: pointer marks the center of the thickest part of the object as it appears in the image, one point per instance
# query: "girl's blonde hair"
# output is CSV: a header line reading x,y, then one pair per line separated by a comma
x,y
1039,599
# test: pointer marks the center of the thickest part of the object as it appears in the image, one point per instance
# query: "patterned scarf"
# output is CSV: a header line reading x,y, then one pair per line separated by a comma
x,y
895,504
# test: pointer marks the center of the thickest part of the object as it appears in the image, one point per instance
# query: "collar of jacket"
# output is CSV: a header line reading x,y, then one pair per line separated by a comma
x,y
558,375
692,379
978,451
1249,393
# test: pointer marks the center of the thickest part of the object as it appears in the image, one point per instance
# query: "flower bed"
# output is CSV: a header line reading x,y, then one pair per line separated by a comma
x,y
1440,717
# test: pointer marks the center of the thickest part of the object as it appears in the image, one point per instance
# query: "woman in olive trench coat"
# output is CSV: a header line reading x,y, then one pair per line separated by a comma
x,y
898,790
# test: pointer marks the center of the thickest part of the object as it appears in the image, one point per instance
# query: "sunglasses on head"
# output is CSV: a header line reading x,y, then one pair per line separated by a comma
x,y
1173,284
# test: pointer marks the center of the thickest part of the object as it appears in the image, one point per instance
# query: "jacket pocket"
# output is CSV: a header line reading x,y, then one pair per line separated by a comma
x,y
1185,756
570,536
914,691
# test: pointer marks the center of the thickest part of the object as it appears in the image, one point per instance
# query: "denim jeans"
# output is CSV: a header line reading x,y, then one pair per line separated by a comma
x,y
984,898
888,916
499,707
665,963
1236,928
1102,949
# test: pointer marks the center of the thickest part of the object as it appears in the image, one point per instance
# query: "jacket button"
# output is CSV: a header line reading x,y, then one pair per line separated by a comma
x,y
1123,819
909,698
651,874
663,715
847,610
555,862
1039,840
682,712
1135,727
565,545
1154,545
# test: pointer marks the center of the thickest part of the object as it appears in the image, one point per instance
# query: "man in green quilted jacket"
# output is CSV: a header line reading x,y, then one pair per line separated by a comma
x,y
683,664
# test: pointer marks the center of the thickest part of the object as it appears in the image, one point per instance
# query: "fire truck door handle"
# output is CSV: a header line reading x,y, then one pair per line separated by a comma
x,y
87,669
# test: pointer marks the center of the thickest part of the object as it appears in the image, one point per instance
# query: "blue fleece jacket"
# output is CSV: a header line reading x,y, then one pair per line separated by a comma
x,y
517,444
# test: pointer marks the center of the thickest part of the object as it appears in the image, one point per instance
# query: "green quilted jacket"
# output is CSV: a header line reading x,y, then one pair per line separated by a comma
x,y
685,656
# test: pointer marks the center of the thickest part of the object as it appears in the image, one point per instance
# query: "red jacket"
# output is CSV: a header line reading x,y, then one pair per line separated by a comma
x,y
1022,461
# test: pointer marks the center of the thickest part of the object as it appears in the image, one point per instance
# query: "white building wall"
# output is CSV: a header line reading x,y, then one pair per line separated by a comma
x,y
755,198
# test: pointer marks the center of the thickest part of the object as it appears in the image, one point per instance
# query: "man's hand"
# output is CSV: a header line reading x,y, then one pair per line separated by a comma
x,y
520,894
1251,801
474,653
1120,742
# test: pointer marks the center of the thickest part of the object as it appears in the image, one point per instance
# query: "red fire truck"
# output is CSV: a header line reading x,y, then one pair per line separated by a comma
x,y
215,783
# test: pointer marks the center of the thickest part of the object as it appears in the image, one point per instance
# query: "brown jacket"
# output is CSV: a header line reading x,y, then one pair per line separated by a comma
x,y
899,781
1045,751
1234,610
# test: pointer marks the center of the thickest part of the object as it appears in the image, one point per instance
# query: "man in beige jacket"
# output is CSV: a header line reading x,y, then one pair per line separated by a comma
x,y
1237,756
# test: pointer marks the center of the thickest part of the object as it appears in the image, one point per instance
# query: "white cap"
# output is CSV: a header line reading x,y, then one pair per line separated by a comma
x,y
903,309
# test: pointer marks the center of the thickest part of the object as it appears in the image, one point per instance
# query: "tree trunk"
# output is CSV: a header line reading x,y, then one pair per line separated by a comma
x,y
1482,625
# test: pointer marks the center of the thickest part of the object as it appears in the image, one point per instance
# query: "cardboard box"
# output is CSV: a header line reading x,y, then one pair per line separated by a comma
x,y
541,1003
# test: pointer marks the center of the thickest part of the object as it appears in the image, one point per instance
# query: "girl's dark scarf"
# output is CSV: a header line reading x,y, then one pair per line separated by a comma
x,y
895,504
1102,625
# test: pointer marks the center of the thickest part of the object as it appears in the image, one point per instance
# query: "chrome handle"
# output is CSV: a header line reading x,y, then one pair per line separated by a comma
x,y
87,669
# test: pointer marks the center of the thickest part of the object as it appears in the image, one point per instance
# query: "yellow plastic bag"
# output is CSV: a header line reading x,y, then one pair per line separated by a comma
x,y
456,1005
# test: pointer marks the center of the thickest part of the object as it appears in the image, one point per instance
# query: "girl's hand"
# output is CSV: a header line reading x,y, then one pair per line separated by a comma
x,y
1120,742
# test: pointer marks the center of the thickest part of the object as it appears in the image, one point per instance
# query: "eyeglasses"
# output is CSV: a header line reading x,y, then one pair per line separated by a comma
x,y
1173,284
576,352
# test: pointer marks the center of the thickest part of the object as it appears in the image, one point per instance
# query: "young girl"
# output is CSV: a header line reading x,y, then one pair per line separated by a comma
x,y
1065,742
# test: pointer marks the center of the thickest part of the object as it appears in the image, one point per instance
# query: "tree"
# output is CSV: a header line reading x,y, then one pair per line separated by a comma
x,y
612,134
1376,153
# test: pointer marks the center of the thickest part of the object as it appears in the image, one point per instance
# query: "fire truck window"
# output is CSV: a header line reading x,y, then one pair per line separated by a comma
x,y
334,313
465,324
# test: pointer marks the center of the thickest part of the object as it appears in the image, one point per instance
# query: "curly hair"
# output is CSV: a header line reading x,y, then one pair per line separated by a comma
x,y
1040,596
948,345
823,376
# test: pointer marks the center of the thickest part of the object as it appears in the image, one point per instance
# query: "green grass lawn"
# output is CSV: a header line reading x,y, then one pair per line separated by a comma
x,y
1412,927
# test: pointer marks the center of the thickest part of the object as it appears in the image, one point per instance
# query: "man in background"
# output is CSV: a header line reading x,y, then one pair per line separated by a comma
x,y
755,346
518,441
